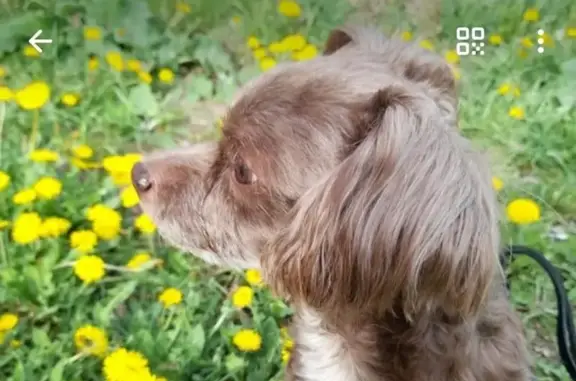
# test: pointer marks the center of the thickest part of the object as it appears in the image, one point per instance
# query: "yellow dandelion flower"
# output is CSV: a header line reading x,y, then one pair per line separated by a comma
x,y
571,32
70,99
91,340
93,64
452,57
456,73
125,365
89,268
285,355
183,7
24,197
242,297
15,343
134,65
523,211
166,75
267,63
4,180
33,96
406,36
495,39
497,183
531,14
284,334
26,228
526,42
289,8
83,241
115,60
120,166
259,53
426,44
4,224
516,112
44,155
53,227
8,321
504,88
129,197
294,42
170,297
92,33
144,224
547,40
48,188
82,151
106,222
310,51
253,277
30,51
145,77
6,94
247,340
253,42
138,260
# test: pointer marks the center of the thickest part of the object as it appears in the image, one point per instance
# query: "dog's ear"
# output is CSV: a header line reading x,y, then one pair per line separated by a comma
x,y
406,220
336,40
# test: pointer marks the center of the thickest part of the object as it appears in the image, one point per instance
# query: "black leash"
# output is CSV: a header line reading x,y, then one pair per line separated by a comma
x,y
565,332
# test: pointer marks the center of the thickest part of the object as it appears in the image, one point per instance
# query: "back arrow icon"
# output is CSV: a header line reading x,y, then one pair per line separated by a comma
x,y
34,40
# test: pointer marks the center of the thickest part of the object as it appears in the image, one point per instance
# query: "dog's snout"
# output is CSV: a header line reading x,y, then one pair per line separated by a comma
x,y
141,178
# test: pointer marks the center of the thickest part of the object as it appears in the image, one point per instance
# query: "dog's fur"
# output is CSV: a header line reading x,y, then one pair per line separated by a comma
x,y
345,179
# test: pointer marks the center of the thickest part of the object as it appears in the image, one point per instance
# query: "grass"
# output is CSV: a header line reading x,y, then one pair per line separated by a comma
x,y
120,112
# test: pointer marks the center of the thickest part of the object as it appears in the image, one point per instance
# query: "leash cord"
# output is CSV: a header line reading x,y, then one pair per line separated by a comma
x,y
565,333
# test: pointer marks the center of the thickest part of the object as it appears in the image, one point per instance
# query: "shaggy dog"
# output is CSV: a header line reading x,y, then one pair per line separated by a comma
x,y
345,179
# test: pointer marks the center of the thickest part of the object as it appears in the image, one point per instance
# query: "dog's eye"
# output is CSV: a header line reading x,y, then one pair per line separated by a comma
x,y
243,174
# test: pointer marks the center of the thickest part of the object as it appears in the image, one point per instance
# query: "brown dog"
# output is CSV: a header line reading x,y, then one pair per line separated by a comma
x,y
346,180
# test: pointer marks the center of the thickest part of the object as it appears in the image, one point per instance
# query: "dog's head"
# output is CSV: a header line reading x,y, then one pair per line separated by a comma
x,y
344,178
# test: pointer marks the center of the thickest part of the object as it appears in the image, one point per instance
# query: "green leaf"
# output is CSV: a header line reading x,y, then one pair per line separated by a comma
x,y
196,339
211,54
58,370
121,293
569,67
40,338
142,101
200,87
234,363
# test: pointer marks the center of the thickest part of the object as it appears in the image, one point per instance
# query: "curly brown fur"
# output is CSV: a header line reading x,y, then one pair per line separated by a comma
x,y
346,180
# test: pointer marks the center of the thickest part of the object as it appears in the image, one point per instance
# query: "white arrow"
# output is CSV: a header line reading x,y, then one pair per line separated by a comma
x,y
34,40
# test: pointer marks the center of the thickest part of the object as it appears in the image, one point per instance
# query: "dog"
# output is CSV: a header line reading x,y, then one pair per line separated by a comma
x,y
345,180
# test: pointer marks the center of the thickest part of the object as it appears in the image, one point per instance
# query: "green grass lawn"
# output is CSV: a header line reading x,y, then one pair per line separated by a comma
x,y
86,285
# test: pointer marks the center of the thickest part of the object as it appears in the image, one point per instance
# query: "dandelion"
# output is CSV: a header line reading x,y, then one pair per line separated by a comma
x,y
452,57
526,42
406,36
134,65
294,42
33,96
242,297
516,112
253,277
120,166
108,228
144,224
30,51
24,197
170,297
44,155
495,39
8,321
531,14
259,53
115,60
6,94
129,197
125,365
70,99
456,73
48,188
571,32
83,241
4,224
547,40
183,7
523,211
83,151
89,268
426,44
166,75
4,180
53,227
92,33
93,64
277,47
507,88
26,228
497,183
91,340
145,77
285,356
310,51
267,63
138,260
247,340
252,42
289,8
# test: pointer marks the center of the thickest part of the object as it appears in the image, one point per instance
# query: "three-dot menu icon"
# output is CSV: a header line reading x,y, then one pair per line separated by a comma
x,y
540,41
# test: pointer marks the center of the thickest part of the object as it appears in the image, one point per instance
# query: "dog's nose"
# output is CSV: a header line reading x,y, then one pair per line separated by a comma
x,y
141,178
